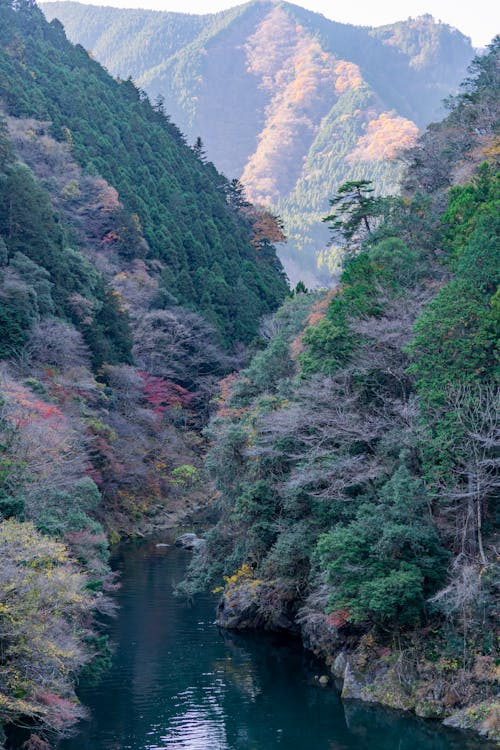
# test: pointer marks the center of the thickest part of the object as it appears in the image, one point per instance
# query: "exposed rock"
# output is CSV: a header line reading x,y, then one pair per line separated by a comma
x,y
252,604
354,684
189,541
483,718
339,665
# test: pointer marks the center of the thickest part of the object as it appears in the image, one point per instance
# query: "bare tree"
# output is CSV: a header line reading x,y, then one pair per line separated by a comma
x,y
475,476
53,342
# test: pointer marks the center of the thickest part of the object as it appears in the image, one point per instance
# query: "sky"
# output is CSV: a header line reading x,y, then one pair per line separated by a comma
x,y
478,19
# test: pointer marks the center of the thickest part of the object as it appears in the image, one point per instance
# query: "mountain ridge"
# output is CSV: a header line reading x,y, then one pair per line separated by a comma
x,y
285,99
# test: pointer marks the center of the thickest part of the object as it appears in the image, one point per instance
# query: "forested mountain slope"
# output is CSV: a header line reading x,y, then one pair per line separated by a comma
x,y
183,218
356,458
289,101
132,277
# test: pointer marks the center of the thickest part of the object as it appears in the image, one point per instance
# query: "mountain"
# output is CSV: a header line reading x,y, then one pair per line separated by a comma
x,y
178,212
355,460
288,101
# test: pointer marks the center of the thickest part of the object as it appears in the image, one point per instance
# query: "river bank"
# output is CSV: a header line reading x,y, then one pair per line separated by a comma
x,y
371,670
178,681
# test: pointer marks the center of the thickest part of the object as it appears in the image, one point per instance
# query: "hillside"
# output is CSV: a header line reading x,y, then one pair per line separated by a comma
x,y
356,458
289,101
181,216
131,279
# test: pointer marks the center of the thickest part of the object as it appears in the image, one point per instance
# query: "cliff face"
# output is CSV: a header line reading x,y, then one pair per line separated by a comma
x,y
290,102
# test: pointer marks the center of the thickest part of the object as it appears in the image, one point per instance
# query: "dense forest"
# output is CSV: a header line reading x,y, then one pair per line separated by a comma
x,y
177,205
356,457
132,277
307,103
353,434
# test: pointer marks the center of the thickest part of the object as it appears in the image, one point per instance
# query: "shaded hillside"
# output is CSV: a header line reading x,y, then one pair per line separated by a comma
x,y
180,212
289,101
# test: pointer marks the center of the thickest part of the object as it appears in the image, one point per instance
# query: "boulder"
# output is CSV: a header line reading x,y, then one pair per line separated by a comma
x,y
189,541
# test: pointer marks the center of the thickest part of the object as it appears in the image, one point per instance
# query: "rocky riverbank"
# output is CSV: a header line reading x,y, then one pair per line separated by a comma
x,y
368,668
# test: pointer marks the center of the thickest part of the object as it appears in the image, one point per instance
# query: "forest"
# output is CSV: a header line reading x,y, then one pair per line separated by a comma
x,y
132,277
356,457
153,357
307,103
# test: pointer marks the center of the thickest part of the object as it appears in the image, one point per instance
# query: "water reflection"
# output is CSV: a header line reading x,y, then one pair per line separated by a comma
x,y
178,683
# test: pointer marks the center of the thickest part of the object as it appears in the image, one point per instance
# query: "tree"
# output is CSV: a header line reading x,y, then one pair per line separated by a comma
x,y
44,622
180,346
475,479
58,344
235,194
385,561
355,211
199,149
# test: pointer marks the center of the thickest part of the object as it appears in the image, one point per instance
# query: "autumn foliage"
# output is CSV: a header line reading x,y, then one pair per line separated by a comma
x,y
385,137
162,395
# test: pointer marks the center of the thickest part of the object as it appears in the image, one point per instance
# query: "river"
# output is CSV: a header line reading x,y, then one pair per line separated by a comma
x,y
180,683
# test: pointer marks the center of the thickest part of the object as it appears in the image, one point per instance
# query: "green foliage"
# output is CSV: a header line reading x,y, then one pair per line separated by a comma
x,y
331,341
388,558
185,475
468,204
403,68
349,482
355,208
471,124
180,203
405,265
266,370
42,277
456,337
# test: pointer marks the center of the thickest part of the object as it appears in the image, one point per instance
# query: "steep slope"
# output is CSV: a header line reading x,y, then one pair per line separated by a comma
x,y
356,459
179,205
89,443
289,101
114,237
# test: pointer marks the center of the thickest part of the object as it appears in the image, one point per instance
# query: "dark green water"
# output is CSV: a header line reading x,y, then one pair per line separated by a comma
x,y
179,683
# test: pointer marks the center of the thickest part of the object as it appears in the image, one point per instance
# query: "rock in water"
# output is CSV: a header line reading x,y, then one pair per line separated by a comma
x,y
189,541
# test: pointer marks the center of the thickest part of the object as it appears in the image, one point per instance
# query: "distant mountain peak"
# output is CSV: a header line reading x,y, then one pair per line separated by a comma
x,y
283,98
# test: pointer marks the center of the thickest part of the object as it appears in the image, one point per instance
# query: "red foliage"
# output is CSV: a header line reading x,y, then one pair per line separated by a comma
x,y
36,742
161,394
94,474
110,238
28,408
339,618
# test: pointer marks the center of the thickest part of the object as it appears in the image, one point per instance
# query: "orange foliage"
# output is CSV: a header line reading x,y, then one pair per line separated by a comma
x,y
105,196
300,77
24,407
223,400
266,226
348,76
385,137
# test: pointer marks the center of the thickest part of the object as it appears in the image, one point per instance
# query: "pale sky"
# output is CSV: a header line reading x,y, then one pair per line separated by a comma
x,y
479,19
